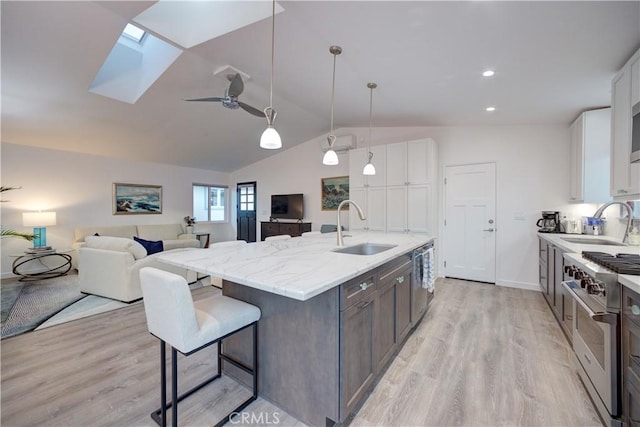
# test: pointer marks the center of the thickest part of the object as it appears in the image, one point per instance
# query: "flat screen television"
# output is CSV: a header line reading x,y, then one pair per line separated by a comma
x,y
286,206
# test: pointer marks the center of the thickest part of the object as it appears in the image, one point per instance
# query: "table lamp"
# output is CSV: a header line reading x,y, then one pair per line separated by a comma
x,y
39,221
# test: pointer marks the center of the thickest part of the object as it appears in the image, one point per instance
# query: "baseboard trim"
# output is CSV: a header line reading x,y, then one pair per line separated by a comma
x,y
519,285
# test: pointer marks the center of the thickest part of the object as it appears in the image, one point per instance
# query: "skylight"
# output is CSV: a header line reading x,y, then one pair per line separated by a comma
x,y
134,33
132,67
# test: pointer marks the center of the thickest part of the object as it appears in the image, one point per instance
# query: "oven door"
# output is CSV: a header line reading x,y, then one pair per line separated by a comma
x,y
595,343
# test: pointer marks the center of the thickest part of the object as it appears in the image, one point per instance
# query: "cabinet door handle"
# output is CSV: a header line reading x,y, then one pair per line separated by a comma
x,y
488,229
363,304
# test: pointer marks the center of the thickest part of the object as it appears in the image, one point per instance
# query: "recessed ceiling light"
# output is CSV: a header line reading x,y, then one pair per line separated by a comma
x,y
488,73
490,109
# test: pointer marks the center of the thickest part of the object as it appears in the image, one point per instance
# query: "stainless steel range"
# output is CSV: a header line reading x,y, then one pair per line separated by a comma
x,y
591,279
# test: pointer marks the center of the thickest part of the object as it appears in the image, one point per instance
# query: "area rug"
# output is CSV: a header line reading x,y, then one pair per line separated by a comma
x,y
27,305
45,303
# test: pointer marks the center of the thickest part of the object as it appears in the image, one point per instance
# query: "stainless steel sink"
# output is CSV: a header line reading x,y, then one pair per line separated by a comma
x,y
365,249
591,241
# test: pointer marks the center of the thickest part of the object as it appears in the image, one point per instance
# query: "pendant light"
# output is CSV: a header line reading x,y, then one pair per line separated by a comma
x,y
330,157
270,138
369,169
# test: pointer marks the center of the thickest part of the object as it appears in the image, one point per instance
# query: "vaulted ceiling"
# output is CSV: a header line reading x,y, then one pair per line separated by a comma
x,y
552,61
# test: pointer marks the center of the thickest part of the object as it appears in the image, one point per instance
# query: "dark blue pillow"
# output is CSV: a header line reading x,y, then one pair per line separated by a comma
x,y
150,246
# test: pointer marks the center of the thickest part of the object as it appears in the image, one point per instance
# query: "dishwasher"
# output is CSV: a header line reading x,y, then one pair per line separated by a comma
x,y
421,294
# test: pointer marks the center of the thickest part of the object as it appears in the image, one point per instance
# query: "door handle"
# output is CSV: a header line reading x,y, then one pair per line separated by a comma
x,y
488,229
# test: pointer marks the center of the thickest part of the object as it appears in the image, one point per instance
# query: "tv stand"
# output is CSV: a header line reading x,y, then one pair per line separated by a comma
x,y
293,229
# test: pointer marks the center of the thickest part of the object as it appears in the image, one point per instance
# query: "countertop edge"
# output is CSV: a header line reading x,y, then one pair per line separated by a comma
x,y
229,266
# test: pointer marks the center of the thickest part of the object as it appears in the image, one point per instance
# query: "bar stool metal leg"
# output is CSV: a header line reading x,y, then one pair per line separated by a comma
x,y
174,387
163,382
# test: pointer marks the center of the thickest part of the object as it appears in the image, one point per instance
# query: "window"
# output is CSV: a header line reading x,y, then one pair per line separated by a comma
x,y
210,203
247,198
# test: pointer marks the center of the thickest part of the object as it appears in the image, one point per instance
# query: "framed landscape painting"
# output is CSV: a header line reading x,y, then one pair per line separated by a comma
x,y
334,191
136,199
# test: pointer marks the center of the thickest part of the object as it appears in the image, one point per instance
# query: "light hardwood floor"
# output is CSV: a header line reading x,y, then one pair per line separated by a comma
x,y
484,355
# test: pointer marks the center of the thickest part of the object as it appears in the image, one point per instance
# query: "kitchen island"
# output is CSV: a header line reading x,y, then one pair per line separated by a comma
x,y
331,322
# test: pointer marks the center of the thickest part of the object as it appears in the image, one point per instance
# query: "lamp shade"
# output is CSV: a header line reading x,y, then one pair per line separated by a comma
x,y
38,219
369,169
270,139
330,158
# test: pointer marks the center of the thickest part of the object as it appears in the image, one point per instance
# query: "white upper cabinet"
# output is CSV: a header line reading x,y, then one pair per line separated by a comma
x,y
590,151
625,176
397,164
409,163
401,196
635,80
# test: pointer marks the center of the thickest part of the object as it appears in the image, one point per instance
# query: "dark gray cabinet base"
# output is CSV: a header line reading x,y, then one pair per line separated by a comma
x,y
318,359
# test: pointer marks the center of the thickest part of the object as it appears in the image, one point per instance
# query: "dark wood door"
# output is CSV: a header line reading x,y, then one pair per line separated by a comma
x,y
246,211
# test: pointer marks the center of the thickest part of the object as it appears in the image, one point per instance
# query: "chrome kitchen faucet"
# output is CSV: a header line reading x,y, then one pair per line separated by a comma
x,y
360,214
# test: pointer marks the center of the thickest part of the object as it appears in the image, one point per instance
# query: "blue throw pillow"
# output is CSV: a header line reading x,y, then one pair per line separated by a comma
x,y
151,246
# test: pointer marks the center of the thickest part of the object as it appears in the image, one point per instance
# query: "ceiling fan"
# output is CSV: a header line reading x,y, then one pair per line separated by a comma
x,y
231,94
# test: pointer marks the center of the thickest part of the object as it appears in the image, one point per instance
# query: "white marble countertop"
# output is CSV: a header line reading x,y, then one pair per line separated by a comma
x,y
558,240
298,268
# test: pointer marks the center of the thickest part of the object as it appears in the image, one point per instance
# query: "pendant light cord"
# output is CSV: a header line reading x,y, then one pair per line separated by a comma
x,y
333,88
370,117
273,38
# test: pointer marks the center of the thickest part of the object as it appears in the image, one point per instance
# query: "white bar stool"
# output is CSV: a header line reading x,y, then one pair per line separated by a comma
x,y
187,327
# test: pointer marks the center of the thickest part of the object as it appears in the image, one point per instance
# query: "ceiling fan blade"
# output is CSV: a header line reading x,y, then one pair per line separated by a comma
x,y
206,99
251,110
237,86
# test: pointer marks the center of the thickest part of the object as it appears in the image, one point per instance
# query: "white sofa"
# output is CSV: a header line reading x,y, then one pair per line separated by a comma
x,y
172,235
109,263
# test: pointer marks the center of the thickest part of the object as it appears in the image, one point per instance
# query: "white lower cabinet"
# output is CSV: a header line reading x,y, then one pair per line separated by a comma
x,y
373,201
397,208
410,209
420,209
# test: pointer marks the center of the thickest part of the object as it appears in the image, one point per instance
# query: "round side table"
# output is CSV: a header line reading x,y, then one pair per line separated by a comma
x,y
61,265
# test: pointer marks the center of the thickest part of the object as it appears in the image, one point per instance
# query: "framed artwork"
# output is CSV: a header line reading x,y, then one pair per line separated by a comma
x,y
334,190
136,199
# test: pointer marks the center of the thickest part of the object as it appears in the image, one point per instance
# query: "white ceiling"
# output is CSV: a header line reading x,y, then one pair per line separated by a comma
x,y
552,61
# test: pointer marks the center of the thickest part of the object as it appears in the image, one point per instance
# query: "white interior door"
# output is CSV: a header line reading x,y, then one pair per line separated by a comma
x,y
470,222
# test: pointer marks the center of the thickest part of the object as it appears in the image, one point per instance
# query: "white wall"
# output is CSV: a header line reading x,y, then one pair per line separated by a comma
x,y
78,187
532,174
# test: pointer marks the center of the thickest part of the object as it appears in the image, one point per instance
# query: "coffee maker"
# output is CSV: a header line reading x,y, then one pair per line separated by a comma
x,y
550,222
